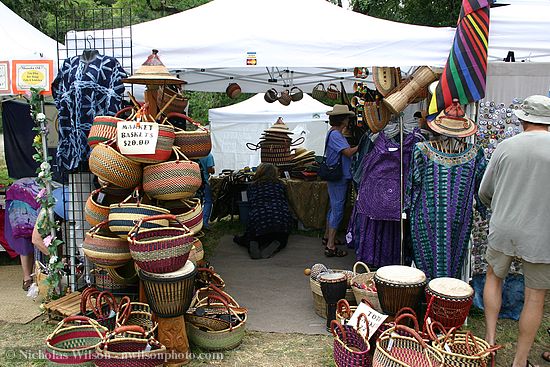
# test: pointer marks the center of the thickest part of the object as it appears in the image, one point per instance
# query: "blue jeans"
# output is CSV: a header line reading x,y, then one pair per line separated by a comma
x,y
206,205
337,192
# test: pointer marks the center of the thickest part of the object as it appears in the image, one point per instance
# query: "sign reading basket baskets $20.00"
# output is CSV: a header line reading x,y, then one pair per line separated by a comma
x,y
134,137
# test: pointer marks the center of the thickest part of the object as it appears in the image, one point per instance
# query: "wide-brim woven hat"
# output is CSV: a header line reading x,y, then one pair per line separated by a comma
x,y
153,71
302,153
535,109
340,109
453,122
279,127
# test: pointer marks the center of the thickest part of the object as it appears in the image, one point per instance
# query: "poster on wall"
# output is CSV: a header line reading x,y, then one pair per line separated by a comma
x,y
5,77
27,74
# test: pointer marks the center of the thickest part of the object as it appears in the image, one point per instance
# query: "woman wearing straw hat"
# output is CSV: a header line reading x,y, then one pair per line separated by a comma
x,y
337,148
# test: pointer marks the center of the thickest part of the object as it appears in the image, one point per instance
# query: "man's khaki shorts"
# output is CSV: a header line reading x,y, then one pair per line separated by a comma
x,y
537,276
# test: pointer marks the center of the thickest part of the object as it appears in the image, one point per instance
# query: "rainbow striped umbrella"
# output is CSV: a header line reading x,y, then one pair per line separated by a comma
x,y
466,69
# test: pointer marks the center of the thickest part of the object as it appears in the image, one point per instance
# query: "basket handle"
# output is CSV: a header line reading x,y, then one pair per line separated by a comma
x,y
124,110
137,225
362,264
186,118
166,105
298,141
412,332
406,310
84,298
129,328
124,309
66,320
366,335
220,292
254,146
217,298
133,195
178,152
109,299
432,332
407,316
83,319
342,308
92,231
336,325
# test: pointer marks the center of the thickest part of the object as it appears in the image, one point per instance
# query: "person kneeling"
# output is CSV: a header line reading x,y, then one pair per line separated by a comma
x,y
269,218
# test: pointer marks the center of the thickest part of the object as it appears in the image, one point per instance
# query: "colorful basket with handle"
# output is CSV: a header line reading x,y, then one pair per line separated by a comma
x,y
100,306
135,313
351,348
172,180
224,339
362,285
95,213
103,129
188,212
74,340
108,164
104,248
194,144
123,216
396,350
120,280
120,349
160,250
461,349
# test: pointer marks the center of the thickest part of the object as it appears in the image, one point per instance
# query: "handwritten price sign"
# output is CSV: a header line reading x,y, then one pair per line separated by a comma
x,y
137,137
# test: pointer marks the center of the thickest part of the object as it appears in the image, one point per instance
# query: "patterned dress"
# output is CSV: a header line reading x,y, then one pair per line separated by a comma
x,y
83,90
441,189
269,210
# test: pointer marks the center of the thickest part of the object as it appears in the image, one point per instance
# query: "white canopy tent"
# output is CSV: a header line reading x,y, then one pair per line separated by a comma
x,y
234,125
21,41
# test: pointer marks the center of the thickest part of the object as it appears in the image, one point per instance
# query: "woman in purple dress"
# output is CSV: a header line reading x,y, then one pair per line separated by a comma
x,y
337,149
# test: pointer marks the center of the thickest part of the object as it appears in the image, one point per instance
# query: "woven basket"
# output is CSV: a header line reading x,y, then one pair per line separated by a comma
x,y
172,180
285,98
104,248
111,166
188,212
377,115
224,339
103,129
119,280
197,251
319,301
119,349
74,340
405,351
367,279
123,216
135,314
206,277
351,348
333,92
193,144
319,91
95,212
461,349
163,149
165,95
160,250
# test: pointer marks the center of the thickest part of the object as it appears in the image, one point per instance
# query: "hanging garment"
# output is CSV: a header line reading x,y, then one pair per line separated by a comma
x,y
374,229
83,90
441,189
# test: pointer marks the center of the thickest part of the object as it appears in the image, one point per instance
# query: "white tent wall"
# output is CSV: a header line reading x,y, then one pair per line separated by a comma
x,y
233,126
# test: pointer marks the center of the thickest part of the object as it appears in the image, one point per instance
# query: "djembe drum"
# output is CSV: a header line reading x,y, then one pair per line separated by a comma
x,y
333,287
449,301
169,296
399,286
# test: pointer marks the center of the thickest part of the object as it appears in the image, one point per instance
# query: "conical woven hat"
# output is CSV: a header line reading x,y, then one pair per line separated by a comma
x,y
453,122
279,127
153,71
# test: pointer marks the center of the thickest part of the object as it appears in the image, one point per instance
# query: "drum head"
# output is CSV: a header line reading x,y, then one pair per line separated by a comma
x,y
451,287
332,277
187,269
399,274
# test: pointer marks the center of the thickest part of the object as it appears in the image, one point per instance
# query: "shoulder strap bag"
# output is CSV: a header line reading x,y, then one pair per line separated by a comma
x,y
330,173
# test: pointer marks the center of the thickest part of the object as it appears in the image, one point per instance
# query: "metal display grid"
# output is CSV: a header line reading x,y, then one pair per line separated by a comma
x,y
109,31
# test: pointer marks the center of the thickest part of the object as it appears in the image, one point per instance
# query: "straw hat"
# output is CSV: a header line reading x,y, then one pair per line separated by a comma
x,y
279,127
453,122
153,71
302,154
386,79
535,109
340,109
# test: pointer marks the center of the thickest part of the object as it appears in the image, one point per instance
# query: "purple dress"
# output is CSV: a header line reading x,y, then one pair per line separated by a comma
x,y
374,229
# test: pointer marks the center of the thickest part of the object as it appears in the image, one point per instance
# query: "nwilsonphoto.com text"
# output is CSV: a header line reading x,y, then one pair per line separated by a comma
x,y
22,354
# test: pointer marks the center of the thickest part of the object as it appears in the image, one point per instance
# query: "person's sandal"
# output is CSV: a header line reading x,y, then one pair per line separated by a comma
x,y
545,356
335,252
27,284
336,242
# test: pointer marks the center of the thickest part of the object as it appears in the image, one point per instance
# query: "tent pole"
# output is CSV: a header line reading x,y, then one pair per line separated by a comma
x,y
402,196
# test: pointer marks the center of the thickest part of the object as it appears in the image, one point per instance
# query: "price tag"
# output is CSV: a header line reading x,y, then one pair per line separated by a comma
x,y
137,137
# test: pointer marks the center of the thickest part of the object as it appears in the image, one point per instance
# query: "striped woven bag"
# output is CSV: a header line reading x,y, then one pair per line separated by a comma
x,y
172,180
103,129
194,144
188,212
104,248
95,213
109,165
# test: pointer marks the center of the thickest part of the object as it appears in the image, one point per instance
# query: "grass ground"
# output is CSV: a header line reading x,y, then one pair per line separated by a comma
x,y
20,345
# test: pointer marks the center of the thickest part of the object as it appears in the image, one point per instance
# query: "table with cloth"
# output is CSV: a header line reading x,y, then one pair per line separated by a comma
x,y
308,200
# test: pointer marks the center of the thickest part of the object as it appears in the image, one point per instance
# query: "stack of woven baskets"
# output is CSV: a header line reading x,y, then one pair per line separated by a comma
x,y
136,186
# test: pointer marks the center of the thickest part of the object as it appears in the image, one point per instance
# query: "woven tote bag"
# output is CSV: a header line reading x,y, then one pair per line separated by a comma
x,y
104,248
172,180
193,144
109,165
103,129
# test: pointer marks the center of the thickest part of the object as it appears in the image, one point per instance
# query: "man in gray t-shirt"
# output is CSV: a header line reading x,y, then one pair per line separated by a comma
x,y
515,186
